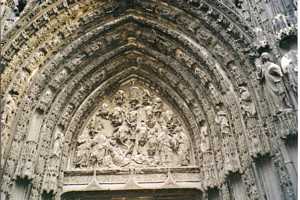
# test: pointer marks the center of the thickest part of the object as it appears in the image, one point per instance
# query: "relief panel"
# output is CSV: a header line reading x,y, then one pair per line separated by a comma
x,y
134,127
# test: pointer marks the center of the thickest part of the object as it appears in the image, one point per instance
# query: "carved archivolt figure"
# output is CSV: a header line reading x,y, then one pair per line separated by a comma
x,y
247,105
270,75
222,121
58,142
205,146
289,66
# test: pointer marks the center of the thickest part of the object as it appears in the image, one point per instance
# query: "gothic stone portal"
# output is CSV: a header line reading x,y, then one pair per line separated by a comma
x,y
133,127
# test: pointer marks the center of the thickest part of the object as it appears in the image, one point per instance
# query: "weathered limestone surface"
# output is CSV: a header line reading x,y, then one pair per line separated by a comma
x,y
136,99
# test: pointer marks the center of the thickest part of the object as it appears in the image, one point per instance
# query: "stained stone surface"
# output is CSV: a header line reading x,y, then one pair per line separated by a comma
x,y
148,99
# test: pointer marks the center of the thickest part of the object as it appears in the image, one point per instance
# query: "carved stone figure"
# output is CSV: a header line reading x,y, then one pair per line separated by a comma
x,y
165,147
8,17
5,119
289,66
146,99
222,121
100,147
118,155
104,112
142,131
183,146
58,143
46,99
95,125
205,146
158,106
122,133
216,97
132,115
152,144
270,76
83,151
119,98
247,105
117,116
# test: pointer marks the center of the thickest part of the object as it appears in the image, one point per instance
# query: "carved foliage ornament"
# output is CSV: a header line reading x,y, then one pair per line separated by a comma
x,y
133,128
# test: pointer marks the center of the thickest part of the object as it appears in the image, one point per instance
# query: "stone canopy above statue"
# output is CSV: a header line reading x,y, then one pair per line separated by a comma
x,y
133,127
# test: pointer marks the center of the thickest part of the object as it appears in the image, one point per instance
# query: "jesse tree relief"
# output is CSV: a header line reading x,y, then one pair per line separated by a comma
x,y
133,127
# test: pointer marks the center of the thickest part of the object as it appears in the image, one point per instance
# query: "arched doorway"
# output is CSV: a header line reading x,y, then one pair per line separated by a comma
x,y
93,89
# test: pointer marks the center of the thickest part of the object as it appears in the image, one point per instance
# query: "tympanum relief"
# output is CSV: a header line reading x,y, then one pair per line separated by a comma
x,y
133,128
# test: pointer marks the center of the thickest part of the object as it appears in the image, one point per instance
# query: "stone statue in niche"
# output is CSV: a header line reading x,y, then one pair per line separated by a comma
x,y
289,66
247,105
133,128
270,76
